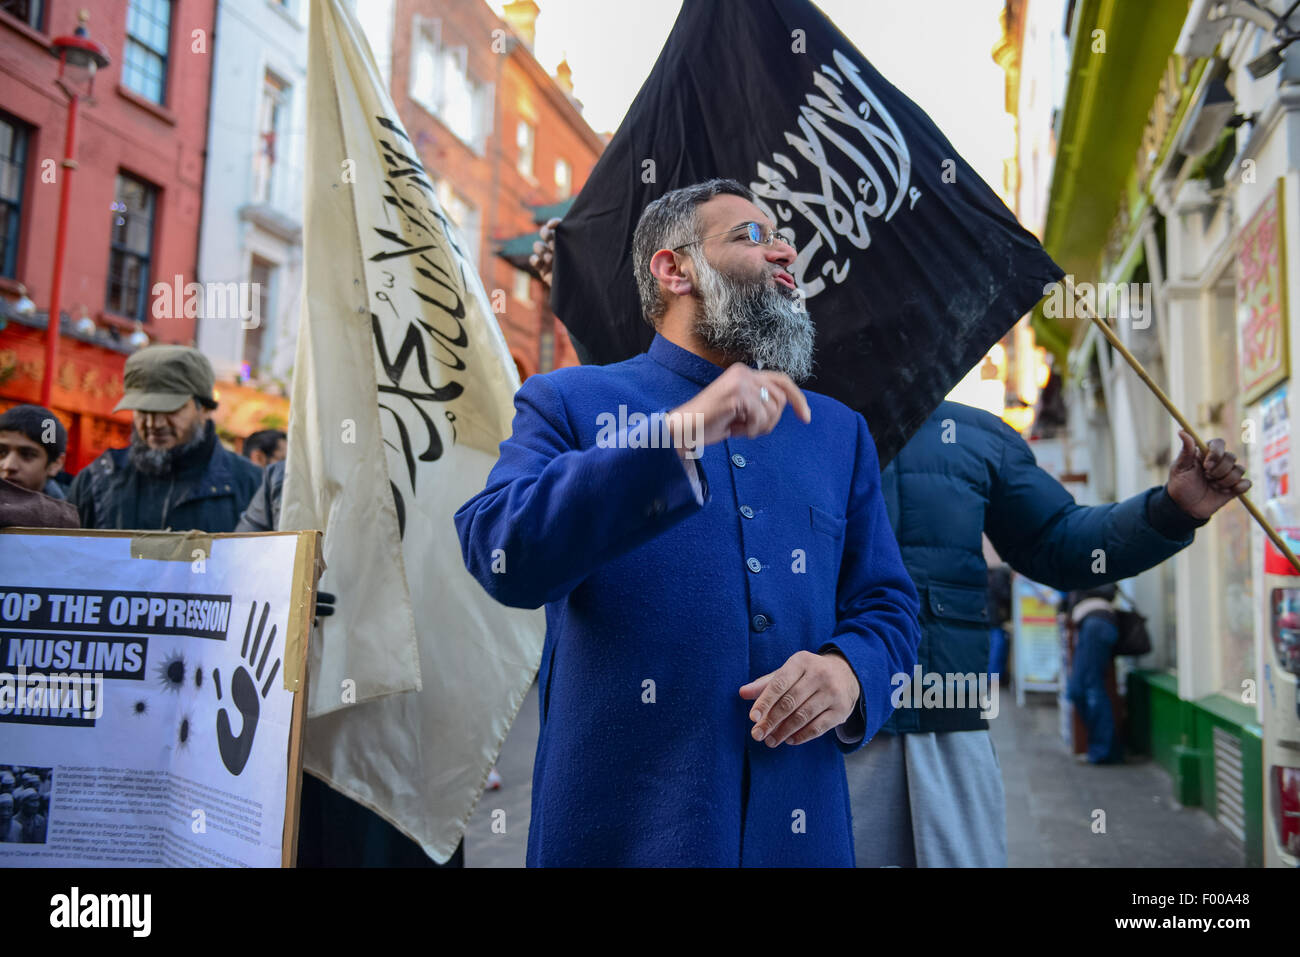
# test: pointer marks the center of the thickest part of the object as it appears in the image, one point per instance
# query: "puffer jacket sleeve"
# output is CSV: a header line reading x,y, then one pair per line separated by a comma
x,y
1038,528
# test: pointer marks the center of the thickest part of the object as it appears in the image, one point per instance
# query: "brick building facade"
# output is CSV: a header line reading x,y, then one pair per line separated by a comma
x,y
135,203
504,142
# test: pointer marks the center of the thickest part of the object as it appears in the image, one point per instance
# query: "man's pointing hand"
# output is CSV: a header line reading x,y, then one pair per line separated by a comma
x,y
741,401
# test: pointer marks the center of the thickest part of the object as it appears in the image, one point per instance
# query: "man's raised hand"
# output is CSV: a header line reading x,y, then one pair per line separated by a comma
x,y
1202,483
741,401
543,257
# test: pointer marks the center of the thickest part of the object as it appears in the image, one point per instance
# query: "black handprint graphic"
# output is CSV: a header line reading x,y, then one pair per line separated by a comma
x,y
235,749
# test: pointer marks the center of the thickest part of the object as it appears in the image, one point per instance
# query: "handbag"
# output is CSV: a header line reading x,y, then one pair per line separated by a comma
x,y
1134,639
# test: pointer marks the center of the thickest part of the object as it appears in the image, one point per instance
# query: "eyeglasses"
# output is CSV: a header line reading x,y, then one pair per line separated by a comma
x,y
757,235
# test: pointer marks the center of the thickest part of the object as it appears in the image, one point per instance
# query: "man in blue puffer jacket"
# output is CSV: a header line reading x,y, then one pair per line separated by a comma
x,y
927,791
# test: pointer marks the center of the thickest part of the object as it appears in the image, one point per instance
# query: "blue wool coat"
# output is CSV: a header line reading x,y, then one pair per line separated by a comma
x,y
662,601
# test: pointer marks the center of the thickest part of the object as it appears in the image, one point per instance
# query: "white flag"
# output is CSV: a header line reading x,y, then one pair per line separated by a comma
x,y
403,390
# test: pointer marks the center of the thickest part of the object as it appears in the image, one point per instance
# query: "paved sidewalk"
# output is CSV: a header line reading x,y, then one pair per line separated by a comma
x,y
483,846
1050,803
1051,800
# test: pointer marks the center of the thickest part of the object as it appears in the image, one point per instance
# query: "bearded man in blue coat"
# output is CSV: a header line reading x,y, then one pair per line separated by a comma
x,y
726,604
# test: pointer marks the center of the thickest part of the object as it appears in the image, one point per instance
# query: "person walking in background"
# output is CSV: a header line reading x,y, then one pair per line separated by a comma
x,y
999,605
1091,614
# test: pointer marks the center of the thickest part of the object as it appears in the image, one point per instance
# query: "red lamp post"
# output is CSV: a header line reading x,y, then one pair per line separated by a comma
x,y
79,58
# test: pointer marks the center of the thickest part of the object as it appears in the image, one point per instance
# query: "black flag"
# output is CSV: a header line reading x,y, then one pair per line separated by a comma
x,y
912,266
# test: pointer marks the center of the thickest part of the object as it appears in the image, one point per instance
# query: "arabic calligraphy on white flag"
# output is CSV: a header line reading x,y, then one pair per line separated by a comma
x,y
403,390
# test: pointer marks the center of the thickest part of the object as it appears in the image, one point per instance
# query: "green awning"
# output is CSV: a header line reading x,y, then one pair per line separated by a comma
x,y
552,210
1108,99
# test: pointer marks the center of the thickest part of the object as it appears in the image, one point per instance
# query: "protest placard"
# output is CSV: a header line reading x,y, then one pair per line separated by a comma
x,y
152,688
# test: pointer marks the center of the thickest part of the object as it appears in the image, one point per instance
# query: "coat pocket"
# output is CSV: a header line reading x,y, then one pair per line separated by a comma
x,y
959,602
826,523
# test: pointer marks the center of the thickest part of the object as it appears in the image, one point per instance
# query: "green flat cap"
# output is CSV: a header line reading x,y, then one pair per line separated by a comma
x,y
164,378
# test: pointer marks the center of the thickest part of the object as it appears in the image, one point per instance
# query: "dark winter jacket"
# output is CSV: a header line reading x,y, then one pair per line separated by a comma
x,y
966,472
208,491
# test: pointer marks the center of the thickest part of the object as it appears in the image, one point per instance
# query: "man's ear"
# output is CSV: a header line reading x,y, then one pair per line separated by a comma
x,y
665,267
54,468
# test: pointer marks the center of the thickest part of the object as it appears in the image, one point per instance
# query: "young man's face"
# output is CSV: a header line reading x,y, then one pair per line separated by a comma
x,y
25,462
166,430
258,457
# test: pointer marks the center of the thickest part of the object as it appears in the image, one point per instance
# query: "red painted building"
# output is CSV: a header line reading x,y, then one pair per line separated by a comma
x,y
135,201
505,144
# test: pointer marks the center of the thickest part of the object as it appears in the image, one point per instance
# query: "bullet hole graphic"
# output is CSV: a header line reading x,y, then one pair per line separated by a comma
x,y
198,677
140,708
183,732
171,672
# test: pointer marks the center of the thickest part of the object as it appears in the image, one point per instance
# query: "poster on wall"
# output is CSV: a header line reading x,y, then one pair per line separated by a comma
x,y
1261,299
1033,611
151,697
1275,438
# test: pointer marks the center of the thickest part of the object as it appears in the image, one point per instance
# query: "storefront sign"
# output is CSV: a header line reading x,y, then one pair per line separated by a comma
x,y
1261,300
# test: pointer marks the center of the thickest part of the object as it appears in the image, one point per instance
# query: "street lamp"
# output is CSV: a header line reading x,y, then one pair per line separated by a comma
x,y
79,59
1207,21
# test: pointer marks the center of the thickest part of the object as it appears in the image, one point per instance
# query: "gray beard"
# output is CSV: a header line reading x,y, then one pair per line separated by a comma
x,y
754,322
153,461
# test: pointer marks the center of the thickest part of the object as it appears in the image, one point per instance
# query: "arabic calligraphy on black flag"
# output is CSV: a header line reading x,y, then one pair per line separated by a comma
x,y
912,266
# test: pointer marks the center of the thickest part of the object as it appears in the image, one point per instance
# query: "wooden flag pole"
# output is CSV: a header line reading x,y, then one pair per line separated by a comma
x,y
1081,308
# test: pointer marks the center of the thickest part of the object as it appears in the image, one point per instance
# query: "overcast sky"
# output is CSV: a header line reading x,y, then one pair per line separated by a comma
x,y
935,51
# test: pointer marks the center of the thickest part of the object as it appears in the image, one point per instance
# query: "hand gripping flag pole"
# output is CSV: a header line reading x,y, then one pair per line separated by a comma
x,y
1082,309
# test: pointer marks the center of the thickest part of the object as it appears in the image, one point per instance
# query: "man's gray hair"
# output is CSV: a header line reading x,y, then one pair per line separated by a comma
x,y
668,222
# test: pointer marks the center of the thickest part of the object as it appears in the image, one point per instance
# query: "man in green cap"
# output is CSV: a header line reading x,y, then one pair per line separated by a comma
x,y
175,474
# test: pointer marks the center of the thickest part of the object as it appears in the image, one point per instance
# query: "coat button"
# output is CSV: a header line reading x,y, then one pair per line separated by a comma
x,y
738,460
760,622
746,511
754,565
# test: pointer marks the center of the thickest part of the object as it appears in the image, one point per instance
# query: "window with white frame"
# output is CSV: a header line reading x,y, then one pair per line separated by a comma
x,y
262,275
563,179
148,41
442,84
524,139
523,290
271,113
464,216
